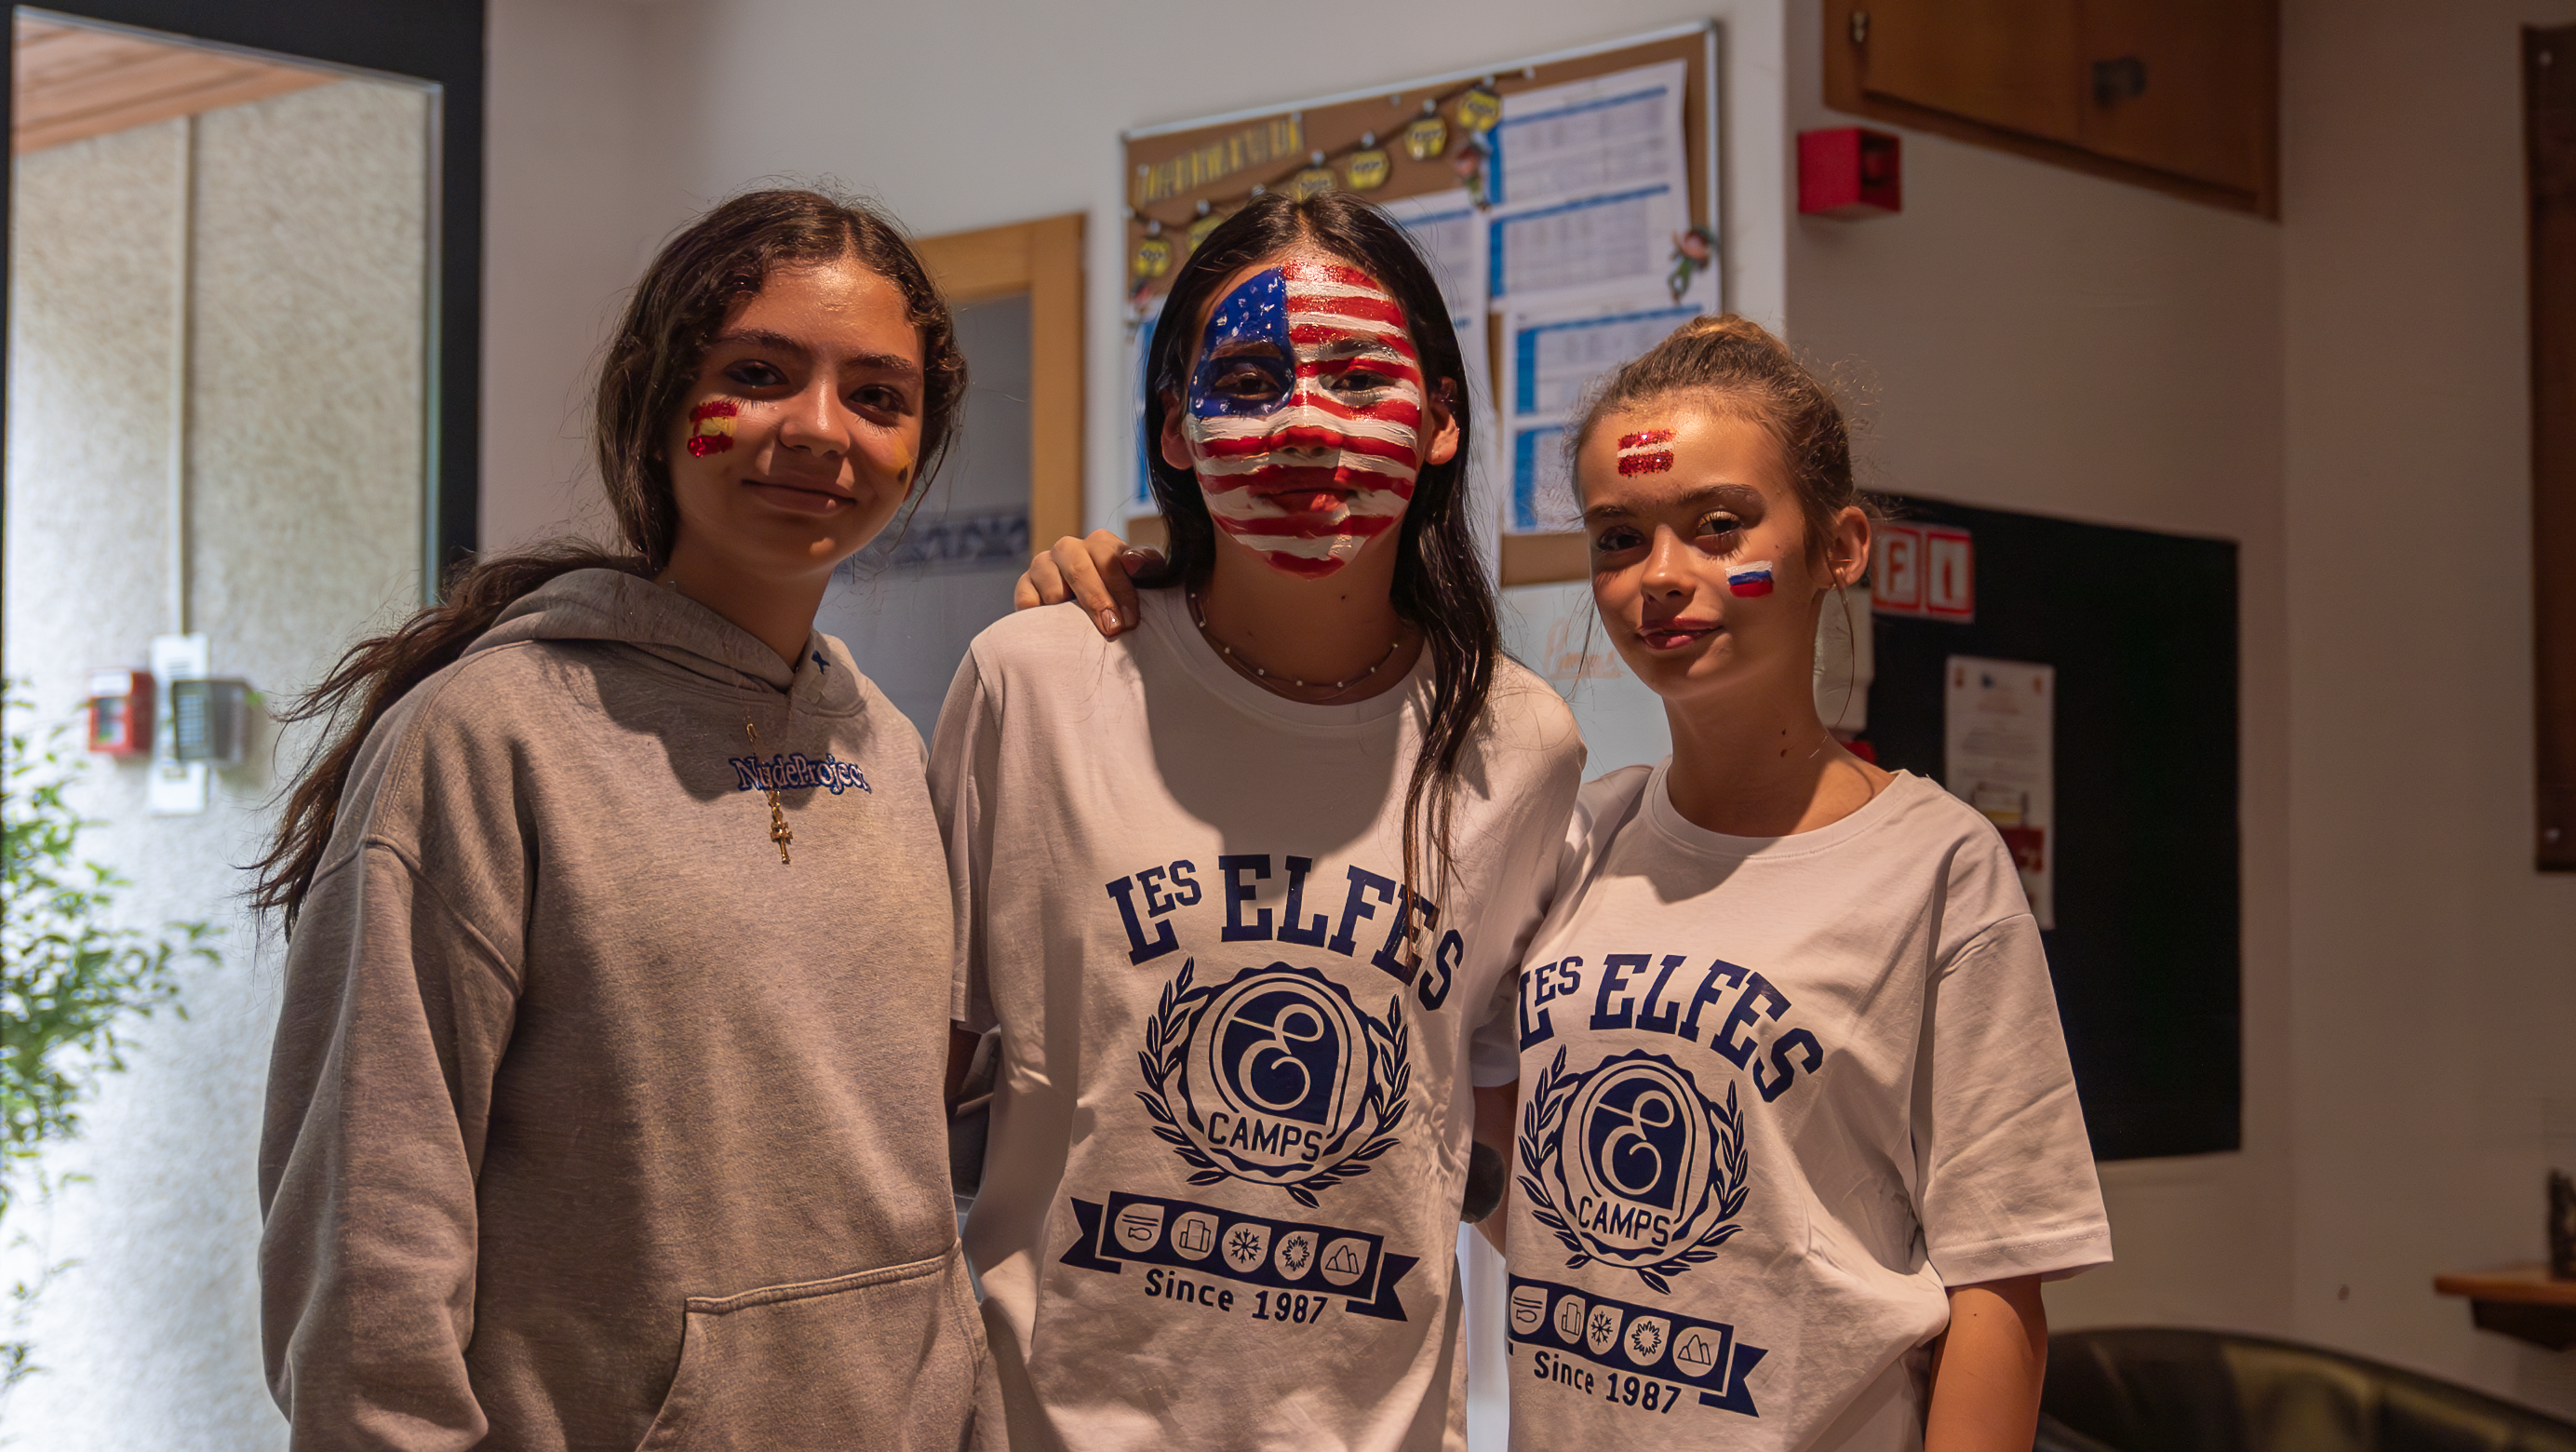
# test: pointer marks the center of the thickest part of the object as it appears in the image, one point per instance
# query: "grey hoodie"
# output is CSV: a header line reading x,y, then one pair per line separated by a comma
x,y
590,1124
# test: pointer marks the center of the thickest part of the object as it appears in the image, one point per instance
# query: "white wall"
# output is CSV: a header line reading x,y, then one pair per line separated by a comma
x,y
304,521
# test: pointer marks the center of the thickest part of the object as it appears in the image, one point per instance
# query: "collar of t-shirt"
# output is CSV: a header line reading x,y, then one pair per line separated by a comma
x,y
1167,626
1663,817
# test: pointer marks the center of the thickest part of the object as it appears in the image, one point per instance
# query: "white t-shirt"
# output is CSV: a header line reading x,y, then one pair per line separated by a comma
x,y
1776,1095
1229,1136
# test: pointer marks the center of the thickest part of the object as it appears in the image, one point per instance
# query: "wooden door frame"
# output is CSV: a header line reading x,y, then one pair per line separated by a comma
x,y
1043,260
2549,102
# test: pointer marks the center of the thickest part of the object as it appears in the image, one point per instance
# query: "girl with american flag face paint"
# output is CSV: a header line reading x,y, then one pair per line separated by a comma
x,y
1305,416
1243,861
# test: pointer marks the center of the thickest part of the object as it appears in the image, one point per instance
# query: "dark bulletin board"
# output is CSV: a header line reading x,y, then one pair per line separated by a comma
x,y
2142,630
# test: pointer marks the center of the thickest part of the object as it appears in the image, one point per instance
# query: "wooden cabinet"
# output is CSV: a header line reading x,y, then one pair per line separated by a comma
x,y
2174,94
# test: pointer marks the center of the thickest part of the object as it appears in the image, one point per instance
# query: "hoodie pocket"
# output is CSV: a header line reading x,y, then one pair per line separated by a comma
x,y
885,1358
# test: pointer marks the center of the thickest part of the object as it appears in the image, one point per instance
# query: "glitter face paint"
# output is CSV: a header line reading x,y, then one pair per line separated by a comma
x,y
1646,453
711,427
1753,578
1304,416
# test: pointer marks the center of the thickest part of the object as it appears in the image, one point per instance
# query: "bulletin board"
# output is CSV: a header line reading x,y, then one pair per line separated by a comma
x,y
2141,630
1424,142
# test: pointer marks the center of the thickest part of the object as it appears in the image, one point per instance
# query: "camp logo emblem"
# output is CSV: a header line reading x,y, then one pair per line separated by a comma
x,y
1277,1078
1630,1165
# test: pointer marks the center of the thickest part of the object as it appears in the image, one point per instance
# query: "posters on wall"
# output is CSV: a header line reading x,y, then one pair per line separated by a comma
x,y
2000,748
1451,231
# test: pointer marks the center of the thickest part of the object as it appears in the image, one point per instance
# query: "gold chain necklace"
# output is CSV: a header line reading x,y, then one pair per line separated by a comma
x,y
779,831
1329,688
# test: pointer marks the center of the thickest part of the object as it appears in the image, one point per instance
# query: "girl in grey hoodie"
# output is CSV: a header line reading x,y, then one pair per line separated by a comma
x,y
605,1106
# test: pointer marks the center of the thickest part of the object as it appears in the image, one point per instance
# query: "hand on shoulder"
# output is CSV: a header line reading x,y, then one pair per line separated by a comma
x,y
1097,572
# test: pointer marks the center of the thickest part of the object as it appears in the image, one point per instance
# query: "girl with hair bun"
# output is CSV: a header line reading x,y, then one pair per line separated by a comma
x,y
1241,890
1796,1141
605,1105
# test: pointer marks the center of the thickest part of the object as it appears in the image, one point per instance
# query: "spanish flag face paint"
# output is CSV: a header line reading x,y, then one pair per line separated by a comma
x,y
711,427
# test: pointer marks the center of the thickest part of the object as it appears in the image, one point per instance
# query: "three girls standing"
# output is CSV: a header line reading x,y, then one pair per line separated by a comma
x,y
588,1128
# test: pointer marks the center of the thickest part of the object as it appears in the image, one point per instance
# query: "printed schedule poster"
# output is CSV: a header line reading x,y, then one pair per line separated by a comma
x,y
2000,750
1590,185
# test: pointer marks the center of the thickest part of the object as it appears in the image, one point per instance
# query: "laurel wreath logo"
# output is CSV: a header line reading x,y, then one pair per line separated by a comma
x,y
1541,1130
1167,1041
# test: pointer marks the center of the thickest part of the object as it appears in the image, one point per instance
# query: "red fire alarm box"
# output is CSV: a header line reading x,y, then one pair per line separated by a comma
x,y
1850,171
120,712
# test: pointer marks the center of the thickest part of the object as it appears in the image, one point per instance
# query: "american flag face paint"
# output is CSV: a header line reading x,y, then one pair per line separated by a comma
x,y
1650,452
1753,578
1304,416
711,427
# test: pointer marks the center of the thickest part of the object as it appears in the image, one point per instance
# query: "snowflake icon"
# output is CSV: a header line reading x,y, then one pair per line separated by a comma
x,y
1605,1323
1244,1244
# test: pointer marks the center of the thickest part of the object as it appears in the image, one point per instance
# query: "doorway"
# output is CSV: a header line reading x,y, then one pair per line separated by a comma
x,y
910,604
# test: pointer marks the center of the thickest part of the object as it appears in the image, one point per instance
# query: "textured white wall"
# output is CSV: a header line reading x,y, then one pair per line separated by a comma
x,y
305,513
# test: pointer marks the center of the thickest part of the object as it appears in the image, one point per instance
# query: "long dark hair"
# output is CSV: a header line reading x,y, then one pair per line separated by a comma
x,y
705,269
1441,587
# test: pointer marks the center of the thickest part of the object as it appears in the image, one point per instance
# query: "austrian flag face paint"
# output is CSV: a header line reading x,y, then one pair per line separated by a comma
x,y
1749,579
1304,415
1650,452
711,427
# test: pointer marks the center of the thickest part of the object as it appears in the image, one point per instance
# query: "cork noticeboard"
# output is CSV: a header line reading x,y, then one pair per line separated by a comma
x,y
1184,178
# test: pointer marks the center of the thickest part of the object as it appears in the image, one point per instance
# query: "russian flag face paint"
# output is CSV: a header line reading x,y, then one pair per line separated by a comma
x,y
1753,578
1650,452
1304,415
711,427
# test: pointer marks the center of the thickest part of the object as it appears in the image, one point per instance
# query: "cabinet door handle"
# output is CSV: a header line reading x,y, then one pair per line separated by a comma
x,y
2121,79
1860,27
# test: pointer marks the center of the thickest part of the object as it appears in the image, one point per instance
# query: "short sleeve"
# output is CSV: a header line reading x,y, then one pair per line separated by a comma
x,y
1494,1048
964,759
2005,1169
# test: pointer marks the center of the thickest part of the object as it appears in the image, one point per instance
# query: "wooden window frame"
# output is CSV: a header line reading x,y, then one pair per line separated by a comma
x,y
2549,111
1041,260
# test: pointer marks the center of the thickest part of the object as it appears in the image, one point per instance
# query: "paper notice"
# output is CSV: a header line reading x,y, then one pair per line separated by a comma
x,y
1612,133
1590,186
1554,631
2000,737
1452,235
